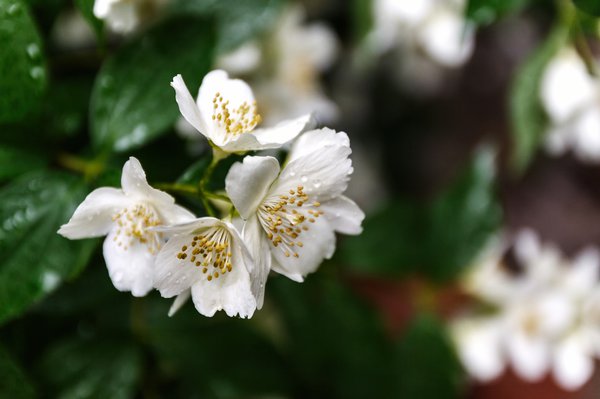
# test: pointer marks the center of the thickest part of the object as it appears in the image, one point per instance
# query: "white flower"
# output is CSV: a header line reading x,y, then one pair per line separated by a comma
x,y
126,216
124,16
294,55
291,214
546,318
208,257
227,114
571,97
437,27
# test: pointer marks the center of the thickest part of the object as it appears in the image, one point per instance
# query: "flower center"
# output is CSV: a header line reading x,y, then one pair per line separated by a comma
x,y
211,251
235,121
284,219
132,228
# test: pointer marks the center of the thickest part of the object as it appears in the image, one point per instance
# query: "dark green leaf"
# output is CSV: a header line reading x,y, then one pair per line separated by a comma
x,y
463,219
238,21
22,69
85,369
35,259
13,381
363,17
335,342
14,162
528,118
428,368
132,101
390,244
591,7
87,10
194,173
484,12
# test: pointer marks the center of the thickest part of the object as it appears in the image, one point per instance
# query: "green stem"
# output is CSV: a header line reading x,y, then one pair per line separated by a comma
x,y
90,169
205,194
178,188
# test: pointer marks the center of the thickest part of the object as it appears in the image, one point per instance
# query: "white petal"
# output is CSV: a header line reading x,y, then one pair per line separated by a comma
x,y
316,140
247,182
559,139
258,245
102,7
179,301
188,107
587,134
566,86
343,215
573,363
242,60
174,214
556,312
130,265
93,217
529,354
447,38
283,132
478,343
187,227
582,275
135,185
318,244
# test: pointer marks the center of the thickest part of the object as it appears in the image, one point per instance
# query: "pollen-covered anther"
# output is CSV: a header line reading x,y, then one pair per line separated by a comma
x,y
235,121
283,220
133,226
212,250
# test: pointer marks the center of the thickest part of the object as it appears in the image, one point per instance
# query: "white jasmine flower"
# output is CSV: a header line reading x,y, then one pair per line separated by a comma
x,y
285,68
226,113
124,16
571,98
545,319
436,27
207,258
292,213
126,216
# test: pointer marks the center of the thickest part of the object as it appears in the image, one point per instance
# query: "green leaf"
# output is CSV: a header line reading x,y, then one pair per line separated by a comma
x,y
194,173
238,21
591,7
362,13
399,229
86,7
86,369
13,381
427,365
22,66
334,341
132,101
485,12
463,219
528,118
15,161
36,259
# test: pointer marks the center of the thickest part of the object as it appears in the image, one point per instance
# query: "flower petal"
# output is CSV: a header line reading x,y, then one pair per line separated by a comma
x,y
318,243
573,363
188,107
258,245
93,217
478,343
529,355
130,265
315,140
582,275
247,182
179,301
343,215
134,184
587,139
283,132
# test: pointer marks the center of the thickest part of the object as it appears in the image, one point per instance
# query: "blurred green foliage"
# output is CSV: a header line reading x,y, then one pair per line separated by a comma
x,y
588,6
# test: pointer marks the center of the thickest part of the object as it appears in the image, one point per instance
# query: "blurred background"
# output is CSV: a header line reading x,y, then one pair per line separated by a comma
x,y
475,130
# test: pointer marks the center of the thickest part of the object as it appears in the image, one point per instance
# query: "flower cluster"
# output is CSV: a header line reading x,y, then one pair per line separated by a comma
x,y
542,313
571,97
124,16
284,217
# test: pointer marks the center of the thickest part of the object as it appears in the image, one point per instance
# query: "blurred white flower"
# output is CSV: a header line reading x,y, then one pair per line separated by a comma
x,y
571,98
207,259
292,213
124,16
72,31
541,318
436,27
226,113
126,216
285,68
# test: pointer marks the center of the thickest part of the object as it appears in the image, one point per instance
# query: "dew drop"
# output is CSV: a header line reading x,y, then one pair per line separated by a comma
x,y
304,179
317,183
169,274
14,8
33,51
292,174
36,72
177,281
